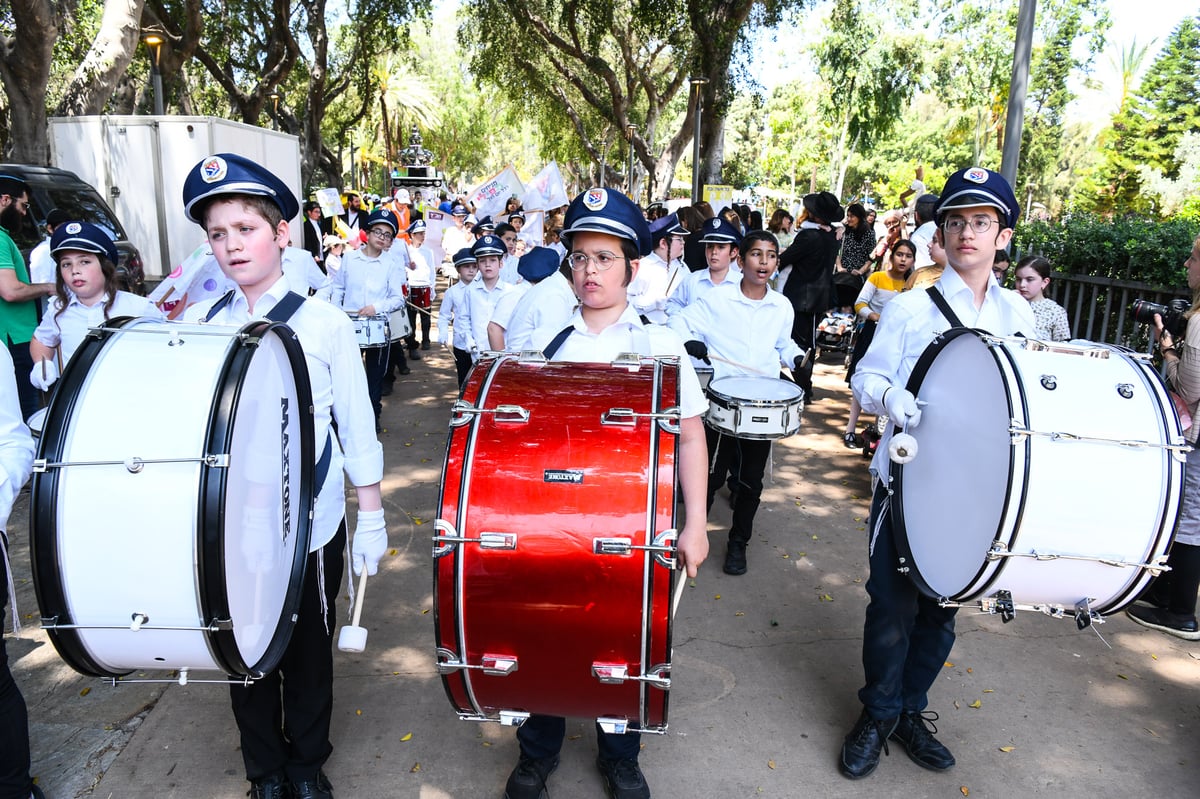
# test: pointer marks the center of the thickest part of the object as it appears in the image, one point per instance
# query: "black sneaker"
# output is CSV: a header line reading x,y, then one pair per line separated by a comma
x,y
735,557
269,788
318,788
925,750
528,779
623,779
1175,624
860,750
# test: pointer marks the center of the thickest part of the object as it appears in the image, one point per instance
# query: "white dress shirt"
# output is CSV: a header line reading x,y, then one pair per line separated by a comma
x,y
907,326
364,281
507,303
301,271
421,271
453,308
921,238
508,270
549,303
70,327
756,333
656,281
339,390
695,285
627,334
480,302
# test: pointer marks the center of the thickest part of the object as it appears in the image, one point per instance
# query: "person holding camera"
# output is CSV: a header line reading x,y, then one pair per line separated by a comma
x,y
1169,604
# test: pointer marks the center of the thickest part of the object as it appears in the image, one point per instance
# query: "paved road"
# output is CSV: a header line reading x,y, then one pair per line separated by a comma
x,y
765,672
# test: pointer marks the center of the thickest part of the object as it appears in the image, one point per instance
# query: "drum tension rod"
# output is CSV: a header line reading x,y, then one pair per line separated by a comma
x,y
663,547
461,413
133,465
627,417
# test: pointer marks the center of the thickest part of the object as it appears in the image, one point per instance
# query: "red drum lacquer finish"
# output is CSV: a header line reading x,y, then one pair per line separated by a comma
x,y
558,601
421,296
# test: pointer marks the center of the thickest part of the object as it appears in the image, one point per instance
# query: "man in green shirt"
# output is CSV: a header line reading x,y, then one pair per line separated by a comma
x,y
18,298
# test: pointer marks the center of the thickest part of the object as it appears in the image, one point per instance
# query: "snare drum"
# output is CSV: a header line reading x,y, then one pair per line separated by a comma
x,y
178,542
421,296
372,332
399,325
753,406
1050,472
553,563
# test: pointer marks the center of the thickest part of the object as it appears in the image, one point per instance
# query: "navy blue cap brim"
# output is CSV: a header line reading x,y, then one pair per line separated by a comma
x,y
82,244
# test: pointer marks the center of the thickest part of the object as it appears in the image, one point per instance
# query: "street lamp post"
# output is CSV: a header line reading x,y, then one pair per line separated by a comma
x,y
155,41
274,97
698,86
630,129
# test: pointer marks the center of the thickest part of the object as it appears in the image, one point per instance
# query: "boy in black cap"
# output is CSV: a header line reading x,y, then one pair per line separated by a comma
x,y
607,236
284,717
907,635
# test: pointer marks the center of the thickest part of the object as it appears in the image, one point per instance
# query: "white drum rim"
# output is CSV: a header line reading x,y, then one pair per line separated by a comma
x,y
989,573
715,394
213,598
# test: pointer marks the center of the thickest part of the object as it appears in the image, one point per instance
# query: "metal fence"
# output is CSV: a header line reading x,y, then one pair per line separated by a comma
x,y
1098,307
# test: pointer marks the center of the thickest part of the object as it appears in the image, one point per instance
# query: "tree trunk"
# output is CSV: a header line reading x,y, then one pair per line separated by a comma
x,y
97,76
24,72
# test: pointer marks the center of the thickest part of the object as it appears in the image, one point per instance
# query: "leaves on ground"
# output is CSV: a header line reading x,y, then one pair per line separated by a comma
x,y
976,704
406,737
1007,749
770,764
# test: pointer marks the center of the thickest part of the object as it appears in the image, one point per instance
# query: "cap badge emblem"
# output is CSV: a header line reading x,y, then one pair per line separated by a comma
x,y
976,175
213,169
595,199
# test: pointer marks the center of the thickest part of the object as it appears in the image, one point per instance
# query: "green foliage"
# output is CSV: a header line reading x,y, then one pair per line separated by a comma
x,y
1148,129
1134,248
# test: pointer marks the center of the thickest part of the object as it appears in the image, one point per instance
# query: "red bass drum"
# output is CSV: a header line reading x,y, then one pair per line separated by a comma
x,y
554,556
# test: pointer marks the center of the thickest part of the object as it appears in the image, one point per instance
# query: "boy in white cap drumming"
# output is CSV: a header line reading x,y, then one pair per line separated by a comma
x,y
907,635
284,717
608,237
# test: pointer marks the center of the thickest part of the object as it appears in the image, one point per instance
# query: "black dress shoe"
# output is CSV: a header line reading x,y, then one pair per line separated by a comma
x,y
414,355
319,788
735,557
915,731
269,788
405,371
860,750
528,779
387,388
623,779
425,344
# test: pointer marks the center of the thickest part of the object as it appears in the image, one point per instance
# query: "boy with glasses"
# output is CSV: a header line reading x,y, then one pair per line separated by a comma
x,y
907,636
607,236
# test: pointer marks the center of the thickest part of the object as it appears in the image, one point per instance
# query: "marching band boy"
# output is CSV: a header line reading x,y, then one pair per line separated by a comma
x,y
284,718
907,636
453,308
749,324
607,237
483,293
720,240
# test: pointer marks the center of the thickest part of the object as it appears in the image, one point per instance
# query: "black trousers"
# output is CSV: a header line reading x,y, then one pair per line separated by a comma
x,y
804,333
743,461
462,364
425,318
376,361
284,718
22,366
541,737
14,718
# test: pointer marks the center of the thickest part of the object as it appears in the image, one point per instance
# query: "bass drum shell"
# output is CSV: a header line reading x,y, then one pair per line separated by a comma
x,y
557,482
208,548
976,485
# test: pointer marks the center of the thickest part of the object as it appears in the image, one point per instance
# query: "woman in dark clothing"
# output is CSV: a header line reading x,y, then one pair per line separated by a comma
x,y
808,282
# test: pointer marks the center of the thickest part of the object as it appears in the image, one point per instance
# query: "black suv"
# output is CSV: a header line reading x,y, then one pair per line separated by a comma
x,y
51,188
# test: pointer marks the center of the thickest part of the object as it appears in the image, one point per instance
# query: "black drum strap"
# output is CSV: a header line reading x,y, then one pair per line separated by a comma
x,y
557,342
218,305
284,309
944,307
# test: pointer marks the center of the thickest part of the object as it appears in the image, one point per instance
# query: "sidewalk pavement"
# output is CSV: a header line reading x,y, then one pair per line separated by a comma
x,y
766,669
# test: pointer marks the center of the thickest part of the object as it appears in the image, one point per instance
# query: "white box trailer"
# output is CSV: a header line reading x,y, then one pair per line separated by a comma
x,y
138,163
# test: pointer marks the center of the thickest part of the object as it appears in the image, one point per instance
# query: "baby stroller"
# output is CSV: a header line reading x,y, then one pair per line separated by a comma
x,y
836,332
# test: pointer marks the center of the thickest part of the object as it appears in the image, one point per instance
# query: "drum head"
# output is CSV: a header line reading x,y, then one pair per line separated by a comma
x,y
266,499
755,387
949,500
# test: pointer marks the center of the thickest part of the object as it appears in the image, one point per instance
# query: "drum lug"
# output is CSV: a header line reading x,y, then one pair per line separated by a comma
x,y
513,718
531,358
663,547
461,413
1000,602
610,673
613,726
628,360
449,662
501,541
626,417
1084,615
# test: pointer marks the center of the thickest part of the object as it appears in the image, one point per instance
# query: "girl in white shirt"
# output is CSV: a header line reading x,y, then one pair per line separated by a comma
x,y
85,295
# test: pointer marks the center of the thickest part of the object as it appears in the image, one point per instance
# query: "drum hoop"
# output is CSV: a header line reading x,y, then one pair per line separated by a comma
x,y
655,460
213,596
43,525
896,474
727,401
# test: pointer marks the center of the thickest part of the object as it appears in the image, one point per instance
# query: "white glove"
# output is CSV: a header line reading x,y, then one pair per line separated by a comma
x,y
40,382
370,541
902,408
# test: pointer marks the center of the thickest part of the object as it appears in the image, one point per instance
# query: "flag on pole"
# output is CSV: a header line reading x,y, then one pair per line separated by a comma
x,y
489,199
546,190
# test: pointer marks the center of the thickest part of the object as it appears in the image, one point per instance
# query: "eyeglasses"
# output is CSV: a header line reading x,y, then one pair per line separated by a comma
x,y
22,205
603,260
386,235
979,224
